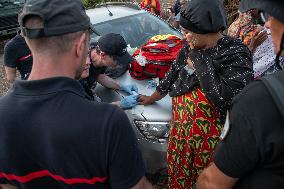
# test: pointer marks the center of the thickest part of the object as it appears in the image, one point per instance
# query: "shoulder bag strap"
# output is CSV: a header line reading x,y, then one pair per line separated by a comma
x,y
275,85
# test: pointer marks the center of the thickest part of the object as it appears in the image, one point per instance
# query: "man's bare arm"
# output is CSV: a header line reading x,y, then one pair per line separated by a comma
x,y
143,184
7,186
10,74
108,82
213,178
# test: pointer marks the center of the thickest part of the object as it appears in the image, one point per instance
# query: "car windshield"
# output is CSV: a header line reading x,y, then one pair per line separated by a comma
x,y
136,29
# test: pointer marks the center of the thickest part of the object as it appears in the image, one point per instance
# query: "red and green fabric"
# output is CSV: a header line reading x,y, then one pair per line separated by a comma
x,y
194,134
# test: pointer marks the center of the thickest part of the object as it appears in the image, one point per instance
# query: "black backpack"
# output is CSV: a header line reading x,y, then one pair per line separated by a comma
x,y
275,85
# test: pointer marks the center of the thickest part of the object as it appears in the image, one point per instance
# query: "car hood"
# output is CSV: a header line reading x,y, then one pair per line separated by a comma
x,y
159,111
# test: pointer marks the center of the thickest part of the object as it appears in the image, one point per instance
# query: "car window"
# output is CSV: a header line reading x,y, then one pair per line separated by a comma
x,y
136,29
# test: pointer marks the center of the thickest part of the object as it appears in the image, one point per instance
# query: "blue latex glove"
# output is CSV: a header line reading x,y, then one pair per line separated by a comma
x,y
129,88
129,101
152,83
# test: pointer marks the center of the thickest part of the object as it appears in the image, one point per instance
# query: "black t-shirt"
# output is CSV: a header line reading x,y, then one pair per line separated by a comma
x,y
90,82
254,147
18,55
51,136
117,71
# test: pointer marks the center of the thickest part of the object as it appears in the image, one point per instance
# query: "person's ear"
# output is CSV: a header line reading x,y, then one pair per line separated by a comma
x,y
81,45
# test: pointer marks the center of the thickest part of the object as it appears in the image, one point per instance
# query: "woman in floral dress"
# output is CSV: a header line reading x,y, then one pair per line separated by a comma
x,y
209,71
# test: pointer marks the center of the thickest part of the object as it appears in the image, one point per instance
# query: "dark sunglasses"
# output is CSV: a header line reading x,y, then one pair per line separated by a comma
x,y
264,16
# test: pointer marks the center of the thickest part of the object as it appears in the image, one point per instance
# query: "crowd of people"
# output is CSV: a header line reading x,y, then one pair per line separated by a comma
x,y
227,101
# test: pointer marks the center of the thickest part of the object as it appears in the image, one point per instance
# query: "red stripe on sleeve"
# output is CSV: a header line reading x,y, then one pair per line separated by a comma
x,y
24,57
39,174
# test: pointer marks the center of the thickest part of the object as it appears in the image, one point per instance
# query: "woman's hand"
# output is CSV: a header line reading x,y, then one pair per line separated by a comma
x,y
190,64
145,100
259,37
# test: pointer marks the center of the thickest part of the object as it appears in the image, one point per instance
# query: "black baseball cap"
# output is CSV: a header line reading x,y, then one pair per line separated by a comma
x,y
114,45
274,8
203,16
59,17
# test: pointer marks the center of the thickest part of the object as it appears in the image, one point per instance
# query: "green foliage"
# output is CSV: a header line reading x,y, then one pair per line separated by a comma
x,y
92,3
232,7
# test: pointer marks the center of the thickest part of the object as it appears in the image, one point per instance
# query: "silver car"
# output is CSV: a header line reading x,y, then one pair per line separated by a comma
x,y
150,123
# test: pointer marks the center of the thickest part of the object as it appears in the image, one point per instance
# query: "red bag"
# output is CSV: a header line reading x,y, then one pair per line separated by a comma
x,y
155,58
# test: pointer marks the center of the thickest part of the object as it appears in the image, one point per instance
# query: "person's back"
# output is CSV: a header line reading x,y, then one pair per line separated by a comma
x,y
17,56
52,137
257,148
251,153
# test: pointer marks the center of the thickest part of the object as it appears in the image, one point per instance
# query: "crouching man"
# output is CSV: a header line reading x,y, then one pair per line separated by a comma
x,y
110,51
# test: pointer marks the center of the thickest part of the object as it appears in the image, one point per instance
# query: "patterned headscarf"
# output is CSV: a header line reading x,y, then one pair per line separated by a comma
x,y
243,20
244,28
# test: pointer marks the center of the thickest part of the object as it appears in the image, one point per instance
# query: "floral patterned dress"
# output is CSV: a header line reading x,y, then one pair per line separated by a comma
x,y
199,103
195,131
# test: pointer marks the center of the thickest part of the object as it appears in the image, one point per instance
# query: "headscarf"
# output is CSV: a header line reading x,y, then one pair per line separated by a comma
x,y
201,19
243,20
244,28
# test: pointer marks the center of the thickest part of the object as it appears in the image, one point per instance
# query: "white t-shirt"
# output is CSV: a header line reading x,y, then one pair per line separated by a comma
x,y
264,58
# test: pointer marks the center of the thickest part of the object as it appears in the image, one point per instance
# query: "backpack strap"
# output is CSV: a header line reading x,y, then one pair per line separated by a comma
x,y
275,85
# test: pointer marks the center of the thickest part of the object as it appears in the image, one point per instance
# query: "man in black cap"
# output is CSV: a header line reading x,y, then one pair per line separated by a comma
x,y
251,153
51,136
110,51
17,56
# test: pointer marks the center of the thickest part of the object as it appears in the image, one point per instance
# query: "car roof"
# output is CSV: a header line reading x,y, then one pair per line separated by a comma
x,y
101,14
